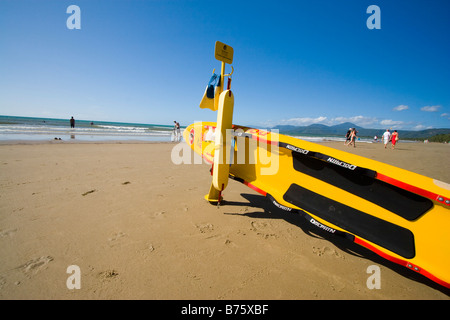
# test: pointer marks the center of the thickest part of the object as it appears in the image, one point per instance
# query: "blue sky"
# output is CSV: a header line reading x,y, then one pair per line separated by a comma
x,y
295,62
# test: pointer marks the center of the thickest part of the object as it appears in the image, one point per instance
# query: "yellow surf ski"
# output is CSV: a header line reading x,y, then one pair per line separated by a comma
x,y
397,214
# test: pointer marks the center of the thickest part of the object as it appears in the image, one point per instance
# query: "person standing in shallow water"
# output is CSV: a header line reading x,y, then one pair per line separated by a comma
x,y
177,131
72,122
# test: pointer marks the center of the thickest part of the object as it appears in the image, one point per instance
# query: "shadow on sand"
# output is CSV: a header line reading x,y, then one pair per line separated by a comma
x,y
266,210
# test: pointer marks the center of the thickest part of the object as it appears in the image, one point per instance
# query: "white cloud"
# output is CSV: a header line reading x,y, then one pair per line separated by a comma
x,y
400,108
430,108
358,120
446,115
303,121
389,122
419,127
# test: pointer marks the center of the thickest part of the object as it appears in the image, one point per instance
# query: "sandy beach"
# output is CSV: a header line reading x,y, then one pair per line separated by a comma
x,y
138,227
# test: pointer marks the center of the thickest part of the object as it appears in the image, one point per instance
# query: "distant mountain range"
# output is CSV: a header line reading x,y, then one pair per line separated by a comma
x,y
341,130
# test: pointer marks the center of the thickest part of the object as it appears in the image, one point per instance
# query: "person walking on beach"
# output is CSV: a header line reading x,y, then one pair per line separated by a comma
x,y
72,122
386,137
394,138
347,136
352,138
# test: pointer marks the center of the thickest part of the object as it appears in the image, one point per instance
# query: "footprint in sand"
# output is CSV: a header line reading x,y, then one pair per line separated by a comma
x,y
2,282
107,274
158,214
154,214
230,243
35,265
116,236
7,233
205,228
258,225
259,228
326,251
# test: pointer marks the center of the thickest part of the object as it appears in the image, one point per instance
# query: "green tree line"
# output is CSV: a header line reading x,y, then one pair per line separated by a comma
x,y
440,138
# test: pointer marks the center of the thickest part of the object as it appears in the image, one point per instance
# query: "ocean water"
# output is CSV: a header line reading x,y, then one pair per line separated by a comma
x,y
27,128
